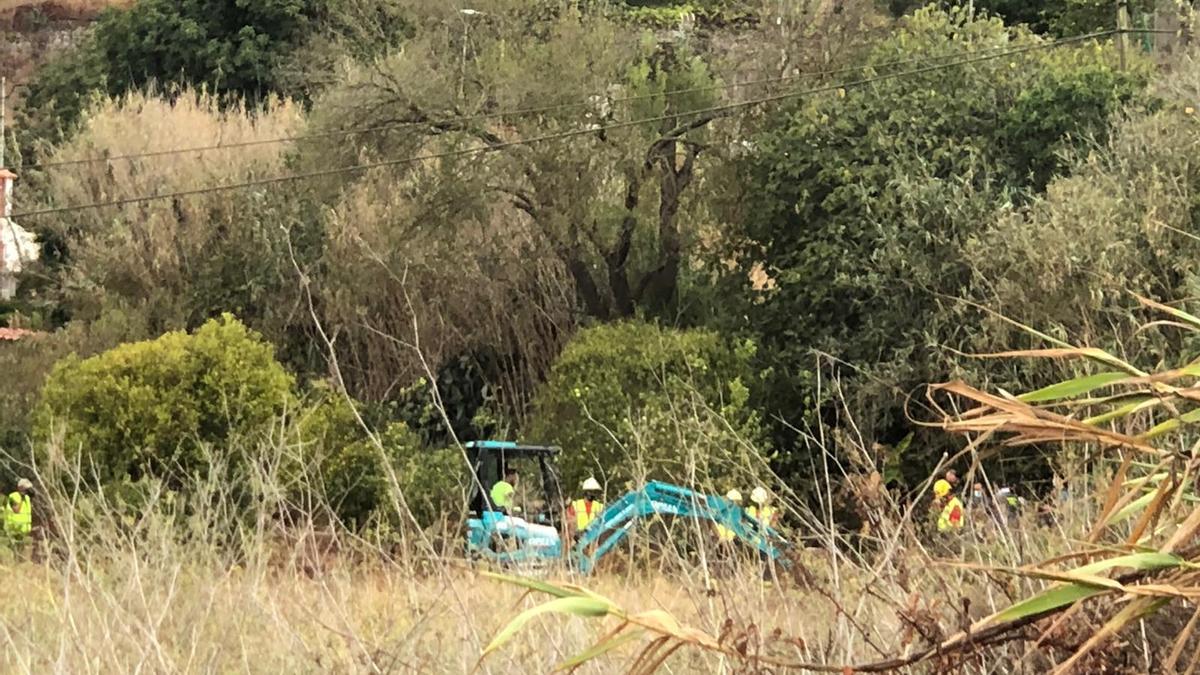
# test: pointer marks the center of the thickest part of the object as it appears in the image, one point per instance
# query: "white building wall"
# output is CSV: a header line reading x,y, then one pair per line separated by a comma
x,y
18,248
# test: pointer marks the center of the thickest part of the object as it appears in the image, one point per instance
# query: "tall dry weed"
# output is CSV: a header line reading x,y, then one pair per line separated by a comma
x,y
176,256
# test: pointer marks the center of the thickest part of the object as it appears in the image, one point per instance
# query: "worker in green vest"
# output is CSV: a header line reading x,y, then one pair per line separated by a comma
x,y
18,513
502,491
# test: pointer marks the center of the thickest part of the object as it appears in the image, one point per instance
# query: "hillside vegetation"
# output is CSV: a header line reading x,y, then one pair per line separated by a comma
x,y
296,253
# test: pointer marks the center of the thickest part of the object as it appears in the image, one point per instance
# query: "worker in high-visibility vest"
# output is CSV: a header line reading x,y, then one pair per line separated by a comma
x,y
951,514
1009,505
18,513
767,517
724,534
762,511
502,492
581,512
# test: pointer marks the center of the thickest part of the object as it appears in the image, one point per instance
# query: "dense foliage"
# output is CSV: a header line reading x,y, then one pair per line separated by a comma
x,y
631,401
1058,17
611,253
231,48
863,199
159,407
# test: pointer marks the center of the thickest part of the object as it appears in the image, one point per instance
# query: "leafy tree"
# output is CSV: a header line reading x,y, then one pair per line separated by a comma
x,y
152,408
862,201
502,252
1059,17
609,207
1122,221
231,48
630,401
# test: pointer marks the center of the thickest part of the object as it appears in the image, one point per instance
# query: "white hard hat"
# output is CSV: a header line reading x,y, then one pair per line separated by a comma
x,y
758,495
24,484
591,484
734,496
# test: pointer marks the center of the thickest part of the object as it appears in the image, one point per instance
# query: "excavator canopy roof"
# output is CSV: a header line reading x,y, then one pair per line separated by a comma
x,y
510,449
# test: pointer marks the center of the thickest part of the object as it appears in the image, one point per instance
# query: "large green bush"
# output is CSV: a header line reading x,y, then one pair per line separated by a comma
x,y
631,400
159,407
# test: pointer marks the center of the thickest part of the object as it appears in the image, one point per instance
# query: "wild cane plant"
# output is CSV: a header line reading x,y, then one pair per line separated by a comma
x,y
1127,572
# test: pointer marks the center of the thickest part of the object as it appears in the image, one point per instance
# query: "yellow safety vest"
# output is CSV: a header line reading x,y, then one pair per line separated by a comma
x,y
951,517
724,533
18,522
768,515
584,516
502,493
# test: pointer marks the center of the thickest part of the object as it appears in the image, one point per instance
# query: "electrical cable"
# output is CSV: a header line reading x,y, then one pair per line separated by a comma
x,y
715,112
589,100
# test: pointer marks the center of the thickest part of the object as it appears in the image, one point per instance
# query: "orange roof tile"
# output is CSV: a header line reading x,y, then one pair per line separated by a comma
x,y
14,334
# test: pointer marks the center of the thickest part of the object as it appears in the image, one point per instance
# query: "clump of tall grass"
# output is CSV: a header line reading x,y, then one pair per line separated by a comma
x,y
180,259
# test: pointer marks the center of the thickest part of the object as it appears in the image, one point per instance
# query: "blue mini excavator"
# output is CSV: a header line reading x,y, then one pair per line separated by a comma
x,y
531,538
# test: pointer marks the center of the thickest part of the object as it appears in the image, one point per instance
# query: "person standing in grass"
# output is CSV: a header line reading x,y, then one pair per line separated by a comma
x,y
767,517
725,535
951,514
18,513
581,512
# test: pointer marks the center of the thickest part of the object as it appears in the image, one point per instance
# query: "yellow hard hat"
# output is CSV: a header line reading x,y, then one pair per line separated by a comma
x,y
941,488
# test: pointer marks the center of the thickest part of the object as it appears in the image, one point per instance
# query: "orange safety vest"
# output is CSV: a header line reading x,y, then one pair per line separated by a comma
x,y
585,512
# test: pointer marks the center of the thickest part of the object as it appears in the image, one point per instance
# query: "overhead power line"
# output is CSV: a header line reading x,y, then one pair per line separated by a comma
x,y
587,101
714,112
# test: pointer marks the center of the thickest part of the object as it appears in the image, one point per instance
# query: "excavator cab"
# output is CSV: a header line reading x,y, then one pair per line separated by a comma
x,y
529,531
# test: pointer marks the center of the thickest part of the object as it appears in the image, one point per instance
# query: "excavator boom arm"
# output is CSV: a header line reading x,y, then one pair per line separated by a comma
x,y
658,498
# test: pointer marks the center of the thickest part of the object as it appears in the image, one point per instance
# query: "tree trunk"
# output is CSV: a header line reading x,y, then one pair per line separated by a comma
x,y
617,258
660,287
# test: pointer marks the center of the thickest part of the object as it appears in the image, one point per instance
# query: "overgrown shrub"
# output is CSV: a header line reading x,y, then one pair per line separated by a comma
x,y
180,262
151,408
349,473
632,401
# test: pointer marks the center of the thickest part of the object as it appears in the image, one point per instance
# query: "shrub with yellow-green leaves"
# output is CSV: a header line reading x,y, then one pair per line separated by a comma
x,y
155,407
631,401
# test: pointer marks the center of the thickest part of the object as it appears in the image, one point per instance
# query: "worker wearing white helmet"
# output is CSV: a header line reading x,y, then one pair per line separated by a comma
x,y
724,534
766,515
18,513
762,511
582,512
